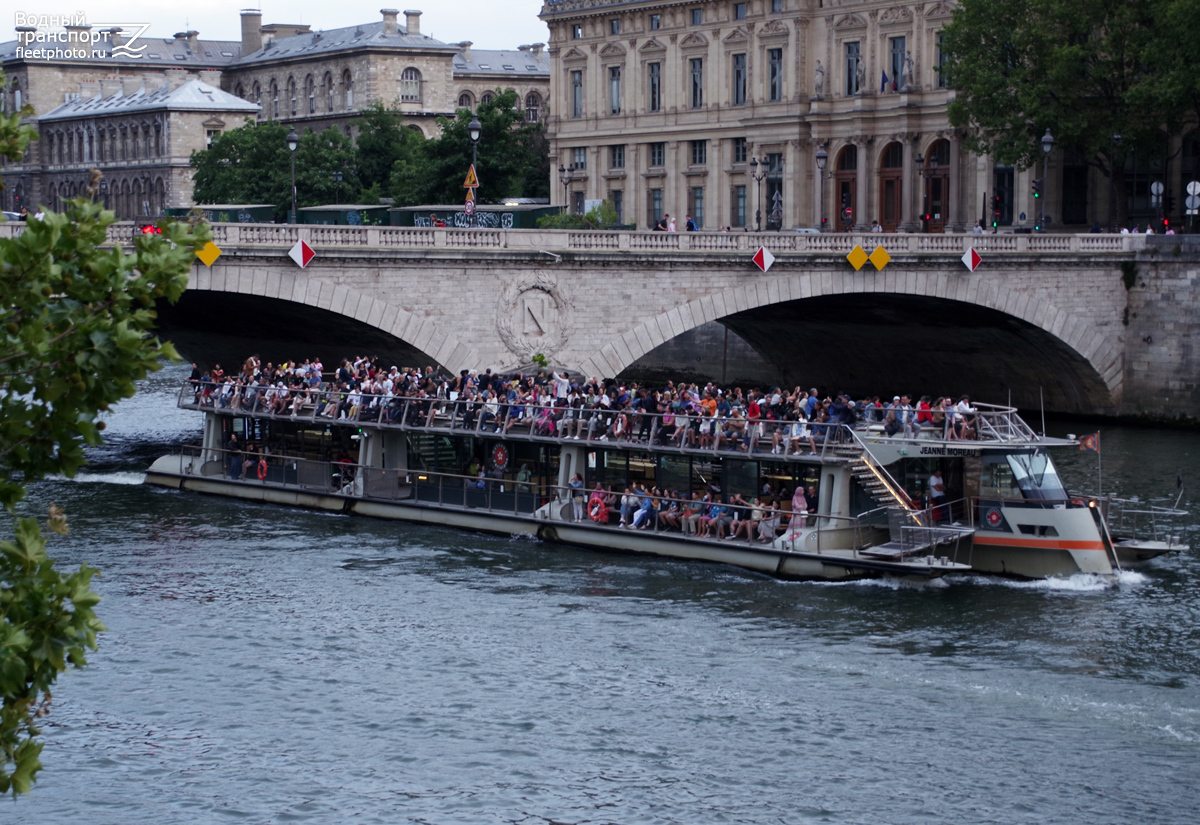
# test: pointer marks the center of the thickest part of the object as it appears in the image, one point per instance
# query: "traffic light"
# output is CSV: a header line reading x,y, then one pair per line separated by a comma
x,y
150,229
995,211
1166,224
824,223
845,199
1037,188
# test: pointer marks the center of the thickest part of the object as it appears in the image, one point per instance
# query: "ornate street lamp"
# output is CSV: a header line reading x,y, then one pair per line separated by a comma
x,y
293,140
474,131
565,174
925,174
758,178
1047,147
822,158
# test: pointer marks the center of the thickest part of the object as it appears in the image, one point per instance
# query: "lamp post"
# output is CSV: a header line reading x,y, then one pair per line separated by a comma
x,y
1112,181
822,158
293,140
925,174
337,186
565,173
758,178
474,130
104,193
1047,147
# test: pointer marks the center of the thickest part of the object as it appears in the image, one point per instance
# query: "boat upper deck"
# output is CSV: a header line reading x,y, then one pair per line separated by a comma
x,y
983,427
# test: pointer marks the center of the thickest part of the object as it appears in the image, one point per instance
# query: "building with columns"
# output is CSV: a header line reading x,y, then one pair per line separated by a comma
x,y
286,72
721,109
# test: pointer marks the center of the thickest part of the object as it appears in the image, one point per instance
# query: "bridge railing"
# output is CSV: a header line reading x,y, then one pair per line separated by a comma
x,y
229,235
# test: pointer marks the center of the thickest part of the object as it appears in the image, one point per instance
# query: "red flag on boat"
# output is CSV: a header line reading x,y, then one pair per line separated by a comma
x,y
1090,443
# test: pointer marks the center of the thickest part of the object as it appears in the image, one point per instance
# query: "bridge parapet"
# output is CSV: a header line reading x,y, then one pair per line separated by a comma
x,y
738,243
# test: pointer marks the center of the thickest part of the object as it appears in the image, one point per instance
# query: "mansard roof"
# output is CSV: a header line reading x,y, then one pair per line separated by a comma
x,y
192,96
369,35
503,62
159,53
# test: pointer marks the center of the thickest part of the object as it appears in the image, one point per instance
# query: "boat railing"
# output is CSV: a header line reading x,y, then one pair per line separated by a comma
x,y
917,530
687,432
1132,518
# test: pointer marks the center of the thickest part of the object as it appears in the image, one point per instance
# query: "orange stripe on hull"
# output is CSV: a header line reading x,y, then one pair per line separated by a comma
x,y
1040,544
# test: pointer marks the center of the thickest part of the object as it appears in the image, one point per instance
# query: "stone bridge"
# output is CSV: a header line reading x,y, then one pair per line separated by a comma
x,y
1103,324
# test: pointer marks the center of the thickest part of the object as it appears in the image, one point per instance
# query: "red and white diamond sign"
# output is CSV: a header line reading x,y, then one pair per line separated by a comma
x,y
971,259
763,258
301,253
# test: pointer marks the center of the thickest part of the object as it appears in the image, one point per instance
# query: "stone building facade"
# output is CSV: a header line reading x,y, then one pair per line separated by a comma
x,y
285,72
718,109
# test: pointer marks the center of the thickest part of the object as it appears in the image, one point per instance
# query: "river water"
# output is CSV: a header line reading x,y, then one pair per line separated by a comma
x,y
266,665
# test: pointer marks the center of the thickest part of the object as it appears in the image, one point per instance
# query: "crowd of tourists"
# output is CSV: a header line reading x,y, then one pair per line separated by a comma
x,y
552,404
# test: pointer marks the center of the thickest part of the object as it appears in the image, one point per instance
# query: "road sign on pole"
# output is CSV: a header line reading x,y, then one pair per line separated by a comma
x,y
472,181
1193,188
1156,188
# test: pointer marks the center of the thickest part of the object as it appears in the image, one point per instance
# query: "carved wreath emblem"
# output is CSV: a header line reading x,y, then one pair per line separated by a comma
x,y
533,316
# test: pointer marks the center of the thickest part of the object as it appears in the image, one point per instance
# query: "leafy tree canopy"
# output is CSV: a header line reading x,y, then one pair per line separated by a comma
x,y
1077,67
512,158
252,164
74,338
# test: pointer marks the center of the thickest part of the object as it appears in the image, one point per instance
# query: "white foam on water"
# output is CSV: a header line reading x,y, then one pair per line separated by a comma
x,y
1078,583
1132,578
108,478
1182,737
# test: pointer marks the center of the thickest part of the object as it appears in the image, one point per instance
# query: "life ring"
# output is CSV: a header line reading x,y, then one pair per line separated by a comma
x,y
596,510
262,469
500,457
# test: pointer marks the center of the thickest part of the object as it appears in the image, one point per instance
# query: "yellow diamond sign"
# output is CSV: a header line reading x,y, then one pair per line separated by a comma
x,y
880,257
209,253
857,258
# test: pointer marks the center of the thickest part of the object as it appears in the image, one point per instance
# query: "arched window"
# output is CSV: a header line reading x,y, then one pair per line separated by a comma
x,y
310,91
487,97
348,89
410,86
466,101
274,99
327,91
17,102
291,93
416,129
533,105
239,91
256,93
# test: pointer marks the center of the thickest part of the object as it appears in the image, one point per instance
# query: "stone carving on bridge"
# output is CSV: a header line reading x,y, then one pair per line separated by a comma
x,y
533,316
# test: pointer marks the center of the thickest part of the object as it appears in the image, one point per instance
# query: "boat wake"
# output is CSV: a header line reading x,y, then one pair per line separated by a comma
x,y
128,478
1078,583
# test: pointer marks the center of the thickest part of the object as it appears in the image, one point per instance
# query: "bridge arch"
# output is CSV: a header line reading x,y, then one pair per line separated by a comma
x,y
285,293
1035,329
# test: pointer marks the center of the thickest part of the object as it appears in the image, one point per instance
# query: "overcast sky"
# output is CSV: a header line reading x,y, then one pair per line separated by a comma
x,y
489,24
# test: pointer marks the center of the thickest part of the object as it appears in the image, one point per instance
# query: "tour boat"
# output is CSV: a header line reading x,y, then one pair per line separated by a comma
x,y
1004,510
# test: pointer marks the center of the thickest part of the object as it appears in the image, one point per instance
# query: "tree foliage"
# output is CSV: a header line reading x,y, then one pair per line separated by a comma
x,y
1085,69
74,339
252,164
513,159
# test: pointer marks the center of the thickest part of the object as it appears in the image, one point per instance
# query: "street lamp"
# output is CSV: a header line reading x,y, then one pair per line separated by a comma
x,y
758,178
925,174
1112,180
337,181
293,140
564,177
474,130
822,159
1047,147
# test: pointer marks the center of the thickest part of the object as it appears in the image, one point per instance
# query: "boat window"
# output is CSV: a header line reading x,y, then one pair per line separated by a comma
x,y
675,473
1038,529
742,477
1036,476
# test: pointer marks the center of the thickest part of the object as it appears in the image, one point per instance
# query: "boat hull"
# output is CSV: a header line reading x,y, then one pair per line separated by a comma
x,y
172,472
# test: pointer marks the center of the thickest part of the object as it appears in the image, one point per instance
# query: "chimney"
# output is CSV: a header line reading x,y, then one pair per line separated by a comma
x,y
251,31
109,86
153,81
192,37
176,78
412,21
114,36
537,49
211,77
389,20
89,89
464,49
79,37
130,84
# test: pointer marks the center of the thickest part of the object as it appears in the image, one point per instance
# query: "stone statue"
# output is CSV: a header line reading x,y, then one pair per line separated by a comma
x,y
818,80
860,75
908,71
